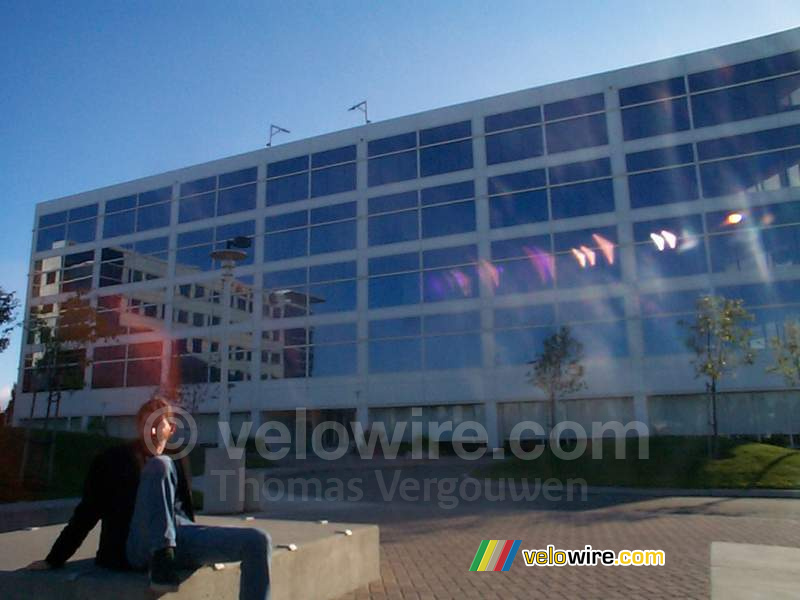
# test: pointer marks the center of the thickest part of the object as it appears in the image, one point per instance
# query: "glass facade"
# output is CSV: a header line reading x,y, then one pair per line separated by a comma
x,y
458,244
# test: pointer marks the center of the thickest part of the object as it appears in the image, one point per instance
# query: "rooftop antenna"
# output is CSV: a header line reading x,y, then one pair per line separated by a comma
x,y
273,129
362,106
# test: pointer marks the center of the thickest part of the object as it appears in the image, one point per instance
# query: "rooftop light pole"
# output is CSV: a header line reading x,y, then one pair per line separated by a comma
x,y
362,106
273,129
233,253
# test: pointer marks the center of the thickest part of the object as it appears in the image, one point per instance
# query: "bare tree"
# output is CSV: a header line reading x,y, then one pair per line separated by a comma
x,y
720,339
558,369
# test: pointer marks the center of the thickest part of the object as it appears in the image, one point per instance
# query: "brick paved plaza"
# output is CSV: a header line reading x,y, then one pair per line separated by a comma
x,y
426,550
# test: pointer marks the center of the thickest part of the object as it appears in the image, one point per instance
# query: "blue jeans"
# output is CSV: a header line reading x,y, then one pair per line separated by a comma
x,y
155,525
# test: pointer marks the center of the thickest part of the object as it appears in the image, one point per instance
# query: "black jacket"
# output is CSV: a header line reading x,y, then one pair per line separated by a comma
x,y
109,495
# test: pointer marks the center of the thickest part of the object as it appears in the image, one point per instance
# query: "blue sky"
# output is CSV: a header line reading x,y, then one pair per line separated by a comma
x,y
95,93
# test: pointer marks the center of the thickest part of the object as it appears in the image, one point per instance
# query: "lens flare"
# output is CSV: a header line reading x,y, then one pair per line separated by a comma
x,y
734,218
658,241
488,273
670,238
590,255
579,257
606,247
542,262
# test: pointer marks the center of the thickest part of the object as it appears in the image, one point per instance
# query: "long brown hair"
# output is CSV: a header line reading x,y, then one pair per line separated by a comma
x,y
156,404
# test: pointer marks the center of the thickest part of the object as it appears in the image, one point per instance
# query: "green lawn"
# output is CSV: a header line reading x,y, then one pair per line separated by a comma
x,y
673,463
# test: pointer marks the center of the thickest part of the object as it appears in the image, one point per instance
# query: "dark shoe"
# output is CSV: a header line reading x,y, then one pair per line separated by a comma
x,y
163,572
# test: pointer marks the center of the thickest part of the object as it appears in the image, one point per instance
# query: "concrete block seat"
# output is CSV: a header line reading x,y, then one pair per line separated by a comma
x,y
748,571
327,563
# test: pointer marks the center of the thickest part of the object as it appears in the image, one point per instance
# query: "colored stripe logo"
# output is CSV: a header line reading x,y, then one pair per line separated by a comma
x,y
495,555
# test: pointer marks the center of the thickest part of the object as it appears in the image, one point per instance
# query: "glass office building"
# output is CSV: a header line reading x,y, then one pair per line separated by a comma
x,y
421,261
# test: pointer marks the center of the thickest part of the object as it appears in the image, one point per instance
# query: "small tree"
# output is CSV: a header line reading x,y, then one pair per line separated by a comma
x,y
8,310
720,339
786,353
558,370
63,358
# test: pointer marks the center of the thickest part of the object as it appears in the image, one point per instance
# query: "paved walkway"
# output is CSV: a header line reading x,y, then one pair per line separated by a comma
x,y
426,550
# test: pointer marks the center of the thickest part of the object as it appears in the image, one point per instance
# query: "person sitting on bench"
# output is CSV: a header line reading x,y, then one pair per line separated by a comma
x,y
143,499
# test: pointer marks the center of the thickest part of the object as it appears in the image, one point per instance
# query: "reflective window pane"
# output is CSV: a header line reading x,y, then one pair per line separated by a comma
x,y
538,314
196,207
286,221
602,340
589,169
152,217
333,180
332,361
394,290
335,212
46,239
391,168
237,199
586,257
574,106
754,69
332,271
768,171
660,157
512,145
755,251
401,327
445,158
524,275
333,157
444,133
512,182
747,143
287,167
391,356
447,193
453,351
393,227
392,143
448,219
333,237
670,247
452,322
238,177
81,232
519,346
663,187
521,246
450,284
287,189
573,134
288,244
394,263
521,207
656,90
207,184
332,297
664,335
657,118
580,199
746,101
392,202
119,224
514,118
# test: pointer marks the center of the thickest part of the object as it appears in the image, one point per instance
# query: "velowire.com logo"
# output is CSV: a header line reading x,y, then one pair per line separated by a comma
x,y
495,555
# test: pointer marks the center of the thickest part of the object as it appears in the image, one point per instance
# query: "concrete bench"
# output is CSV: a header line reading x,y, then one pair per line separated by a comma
x,y
326,564
751,571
